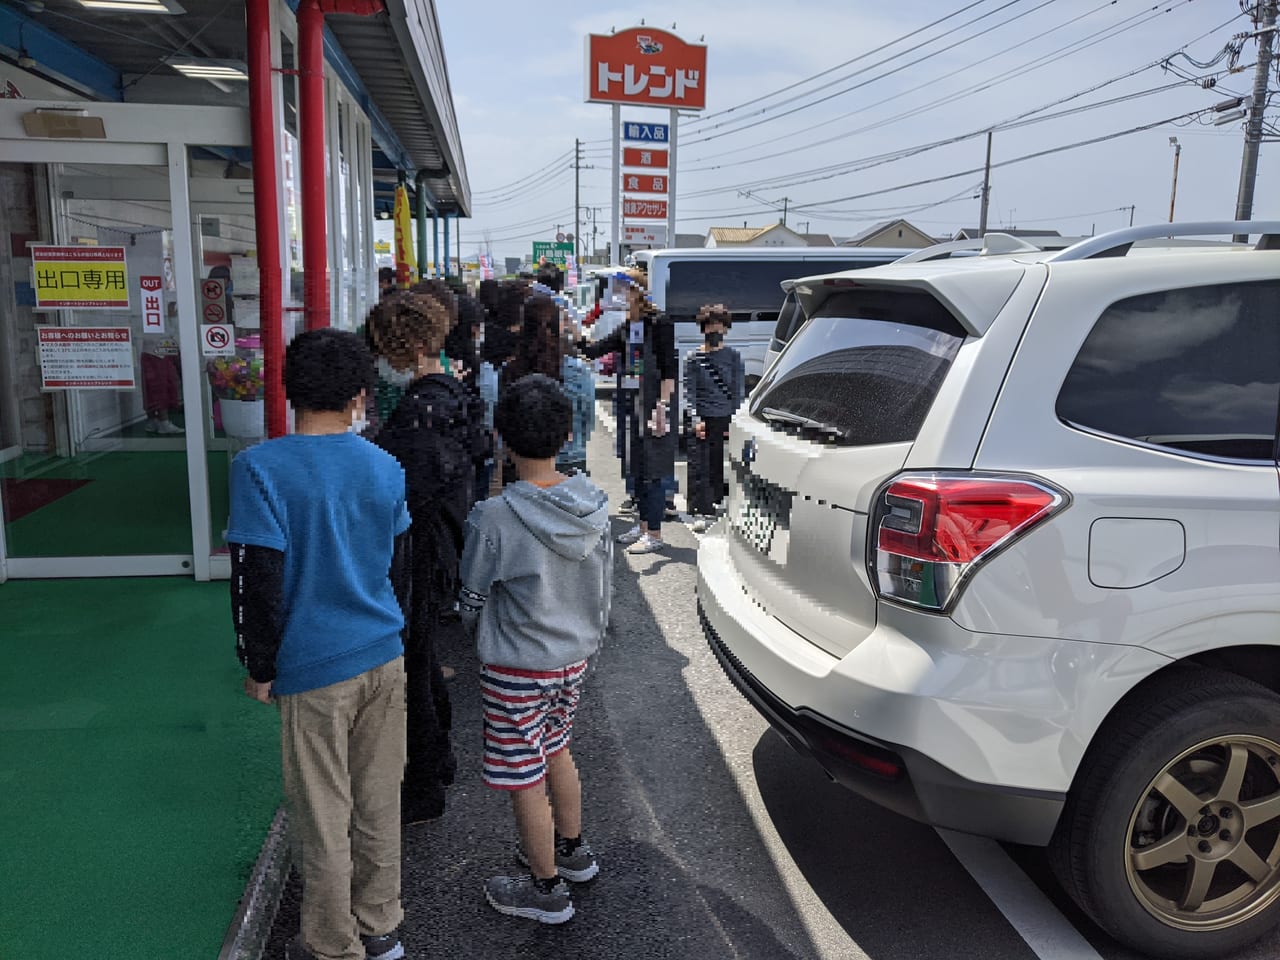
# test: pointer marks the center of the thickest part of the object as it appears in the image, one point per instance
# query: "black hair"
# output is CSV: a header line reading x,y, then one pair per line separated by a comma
x,y
534,417
387,275
471,312
326,370
488,294
550,275
510,309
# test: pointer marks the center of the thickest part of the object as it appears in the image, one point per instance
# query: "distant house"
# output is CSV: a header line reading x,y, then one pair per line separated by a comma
x,y
973,233
774,235
818,239
891,233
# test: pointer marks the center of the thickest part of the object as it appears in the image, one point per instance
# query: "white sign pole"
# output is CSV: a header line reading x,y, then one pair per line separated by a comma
x,y
673,136
615,250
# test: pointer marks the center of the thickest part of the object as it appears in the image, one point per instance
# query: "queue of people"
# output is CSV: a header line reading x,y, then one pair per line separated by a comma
x,y
436,486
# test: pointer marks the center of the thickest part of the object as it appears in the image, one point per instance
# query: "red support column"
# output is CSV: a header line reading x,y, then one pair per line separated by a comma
x,y
314,160
266,210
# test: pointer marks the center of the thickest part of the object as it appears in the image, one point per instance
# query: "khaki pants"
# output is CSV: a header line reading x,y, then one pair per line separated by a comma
x,y
343,752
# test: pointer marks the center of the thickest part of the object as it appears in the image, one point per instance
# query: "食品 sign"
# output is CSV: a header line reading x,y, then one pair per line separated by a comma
x,y
635,208
646,132
556,253
639,157
647,67
643,183
86,358
82,278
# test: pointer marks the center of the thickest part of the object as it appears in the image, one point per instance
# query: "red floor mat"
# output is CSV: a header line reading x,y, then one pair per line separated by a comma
x,y
22,497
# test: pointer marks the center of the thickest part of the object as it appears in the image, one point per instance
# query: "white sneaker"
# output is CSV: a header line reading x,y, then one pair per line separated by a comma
x,y
167,428
702,524
646,544
632,535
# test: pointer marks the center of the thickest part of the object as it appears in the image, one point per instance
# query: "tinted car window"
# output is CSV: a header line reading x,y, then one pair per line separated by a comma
x,y
863,370
787,319
1196,370
743,286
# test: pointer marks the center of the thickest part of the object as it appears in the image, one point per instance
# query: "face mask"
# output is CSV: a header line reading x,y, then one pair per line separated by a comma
x,y
359,422
713,339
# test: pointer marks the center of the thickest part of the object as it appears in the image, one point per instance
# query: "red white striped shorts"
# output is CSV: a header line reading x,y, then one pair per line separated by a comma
x,y
528,717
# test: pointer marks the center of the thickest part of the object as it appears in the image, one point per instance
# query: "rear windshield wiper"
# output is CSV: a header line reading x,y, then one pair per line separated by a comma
x,y
773,413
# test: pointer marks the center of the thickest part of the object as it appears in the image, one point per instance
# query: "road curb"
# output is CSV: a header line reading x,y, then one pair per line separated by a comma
x,y
246,937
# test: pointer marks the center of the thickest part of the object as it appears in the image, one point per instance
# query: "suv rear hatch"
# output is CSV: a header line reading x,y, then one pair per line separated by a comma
x,y
833,420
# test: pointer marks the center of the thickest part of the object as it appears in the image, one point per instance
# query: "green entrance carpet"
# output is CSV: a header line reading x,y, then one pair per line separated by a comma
x,y
138,503
137,781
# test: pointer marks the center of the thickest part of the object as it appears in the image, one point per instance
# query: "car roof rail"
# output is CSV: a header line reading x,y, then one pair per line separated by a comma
x,y
987,245
1118,242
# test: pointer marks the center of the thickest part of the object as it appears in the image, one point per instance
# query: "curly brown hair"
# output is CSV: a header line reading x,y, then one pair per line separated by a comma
x,y
404,326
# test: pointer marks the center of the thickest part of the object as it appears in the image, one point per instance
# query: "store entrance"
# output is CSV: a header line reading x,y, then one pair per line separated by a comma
x,y
93,456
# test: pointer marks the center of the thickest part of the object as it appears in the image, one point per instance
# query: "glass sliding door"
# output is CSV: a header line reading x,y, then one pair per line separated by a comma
x,y
93,459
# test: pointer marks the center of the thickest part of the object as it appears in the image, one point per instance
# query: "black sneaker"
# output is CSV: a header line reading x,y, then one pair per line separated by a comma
x,y
628,504
520,897
385,947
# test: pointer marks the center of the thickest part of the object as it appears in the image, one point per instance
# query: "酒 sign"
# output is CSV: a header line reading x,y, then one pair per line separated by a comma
x,y
83,278
639,157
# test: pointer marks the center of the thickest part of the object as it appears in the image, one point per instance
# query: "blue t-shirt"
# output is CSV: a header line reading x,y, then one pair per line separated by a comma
x,y
333,505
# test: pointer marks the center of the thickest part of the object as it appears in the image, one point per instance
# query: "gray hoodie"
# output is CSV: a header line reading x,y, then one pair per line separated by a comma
x,y
537,574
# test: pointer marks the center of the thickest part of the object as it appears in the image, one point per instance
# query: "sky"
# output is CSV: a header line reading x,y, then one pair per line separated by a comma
x,y
516,72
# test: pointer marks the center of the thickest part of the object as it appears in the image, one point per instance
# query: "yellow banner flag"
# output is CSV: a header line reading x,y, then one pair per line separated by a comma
x,y
406,262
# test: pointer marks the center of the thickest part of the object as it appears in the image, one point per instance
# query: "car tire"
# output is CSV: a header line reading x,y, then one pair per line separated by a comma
x,y
1129,855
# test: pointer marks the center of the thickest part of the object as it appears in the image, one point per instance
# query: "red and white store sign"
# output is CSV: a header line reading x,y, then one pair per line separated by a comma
x,y
644,183
648,67
638,208
644,233
86,358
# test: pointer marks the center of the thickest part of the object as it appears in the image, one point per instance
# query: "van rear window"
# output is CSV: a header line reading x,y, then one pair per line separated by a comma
x,y
864,370
743,286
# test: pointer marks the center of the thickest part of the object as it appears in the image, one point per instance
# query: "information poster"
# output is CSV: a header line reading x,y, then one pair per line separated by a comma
x,y
82,278
86,358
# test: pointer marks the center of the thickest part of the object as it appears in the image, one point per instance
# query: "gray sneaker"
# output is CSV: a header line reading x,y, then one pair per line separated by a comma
x,y
385,947
518,897
577,867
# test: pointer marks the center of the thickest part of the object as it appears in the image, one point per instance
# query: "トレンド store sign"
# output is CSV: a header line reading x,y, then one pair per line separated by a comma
x,y
646,67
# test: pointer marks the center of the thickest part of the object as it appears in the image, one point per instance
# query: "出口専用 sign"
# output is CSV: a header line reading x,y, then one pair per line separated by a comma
x,y
646,67
82,278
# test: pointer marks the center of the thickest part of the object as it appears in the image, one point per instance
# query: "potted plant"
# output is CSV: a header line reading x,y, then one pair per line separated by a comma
x,y
238,386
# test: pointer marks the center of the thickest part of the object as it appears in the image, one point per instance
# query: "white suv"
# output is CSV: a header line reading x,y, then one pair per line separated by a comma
x,y
1003,554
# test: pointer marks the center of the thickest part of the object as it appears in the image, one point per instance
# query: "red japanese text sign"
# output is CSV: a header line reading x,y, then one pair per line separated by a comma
x,y
86,358
643,183
640,157
636,208
646,66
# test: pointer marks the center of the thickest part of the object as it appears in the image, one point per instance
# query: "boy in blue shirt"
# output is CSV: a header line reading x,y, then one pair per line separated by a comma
x,y
318,579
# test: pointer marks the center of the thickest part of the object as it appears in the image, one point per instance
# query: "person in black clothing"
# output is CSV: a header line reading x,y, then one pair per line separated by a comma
x,y
463,351
386,281
431,433
647,343
714,387
551,276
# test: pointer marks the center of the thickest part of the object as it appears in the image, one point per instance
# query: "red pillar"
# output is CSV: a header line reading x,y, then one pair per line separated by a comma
x,y
314,160
266,210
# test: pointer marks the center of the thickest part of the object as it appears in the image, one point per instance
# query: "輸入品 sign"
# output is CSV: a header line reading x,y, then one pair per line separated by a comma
x,y
81,278
86,358
646,132
646,67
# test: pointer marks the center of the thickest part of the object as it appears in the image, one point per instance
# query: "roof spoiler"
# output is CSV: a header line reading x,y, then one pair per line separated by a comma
x,y
988,245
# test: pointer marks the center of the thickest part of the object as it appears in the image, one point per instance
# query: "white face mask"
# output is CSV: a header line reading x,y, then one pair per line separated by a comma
x,y
359,422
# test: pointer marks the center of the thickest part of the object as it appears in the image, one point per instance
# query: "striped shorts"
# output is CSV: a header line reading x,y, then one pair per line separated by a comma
x,y
528,717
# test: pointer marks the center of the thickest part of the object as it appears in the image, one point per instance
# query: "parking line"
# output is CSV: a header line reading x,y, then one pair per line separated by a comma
x,y
1047,932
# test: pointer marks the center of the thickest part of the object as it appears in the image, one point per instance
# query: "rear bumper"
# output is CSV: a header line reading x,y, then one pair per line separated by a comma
x,y
893,776
977,732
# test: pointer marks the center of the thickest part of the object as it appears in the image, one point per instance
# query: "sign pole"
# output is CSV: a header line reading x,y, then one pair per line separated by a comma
x,y
674,135
615,252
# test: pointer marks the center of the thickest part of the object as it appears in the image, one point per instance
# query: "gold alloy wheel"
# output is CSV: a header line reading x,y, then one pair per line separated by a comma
x,y
1204,839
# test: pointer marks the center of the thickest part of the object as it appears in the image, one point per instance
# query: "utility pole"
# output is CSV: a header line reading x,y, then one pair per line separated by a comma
x,y
1253,129
1177,154
1132,209
785,201
986,190
577,198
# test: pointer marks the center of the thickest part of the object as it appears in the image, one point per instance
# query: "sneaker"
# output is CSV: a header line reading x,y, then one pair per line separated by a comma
x,y
518,897
628,504
385,947
577,867
670,513
702,524
646,544
631,536
166,428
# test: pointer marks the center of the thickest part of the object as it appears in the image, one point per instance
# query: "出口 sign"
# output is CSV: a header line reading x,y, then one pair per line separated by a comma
x,y
86,358
82,278
634,208
646,67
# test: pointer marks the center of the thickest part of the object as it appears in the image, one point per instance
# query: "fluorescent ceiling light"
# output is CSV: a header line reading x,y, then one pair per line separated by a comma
x,y
169,7
209,69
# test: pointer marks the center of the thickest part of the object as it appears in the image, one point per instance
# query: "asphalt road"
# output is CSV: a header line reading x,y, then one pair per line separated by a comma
x,y
715,839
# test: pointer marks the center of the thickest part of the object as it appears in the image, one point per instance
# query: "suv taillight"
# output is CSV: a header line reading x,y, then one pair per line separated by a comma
x,y
932,530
